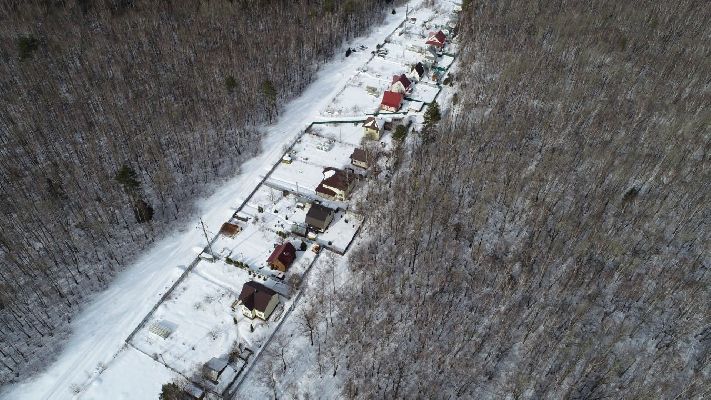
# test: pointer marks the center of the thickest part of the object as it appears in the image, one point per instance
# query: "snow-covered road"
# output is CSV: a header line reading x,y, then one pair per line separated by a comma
x,y
100,329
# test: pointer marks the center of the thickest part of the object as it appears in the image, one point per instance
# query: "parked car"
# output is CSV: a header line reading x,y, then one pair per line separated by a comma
x,y
280,276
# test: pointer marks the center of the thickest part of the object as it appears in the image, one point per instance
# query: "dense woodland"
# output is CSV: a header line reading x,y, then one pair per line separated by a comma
x,y
549,237
116,114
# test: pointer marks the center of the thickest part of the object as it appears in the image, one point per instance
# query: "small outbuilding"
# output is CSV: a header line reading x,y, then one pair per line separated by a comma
x,y
230,229
212,369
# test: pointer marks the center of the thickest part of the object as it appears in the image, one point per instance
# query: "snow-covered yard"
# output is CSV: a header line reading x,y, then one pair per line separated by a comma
x,y
351,133
341,231
361,95
424,92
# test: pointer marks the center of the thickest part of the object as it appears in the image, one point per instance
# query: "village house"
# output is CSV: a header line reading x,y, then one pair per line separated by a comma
x,y
282,257
336,184
436,40
417,72
257,300
392,101
319,217
359,158
373,128
401,84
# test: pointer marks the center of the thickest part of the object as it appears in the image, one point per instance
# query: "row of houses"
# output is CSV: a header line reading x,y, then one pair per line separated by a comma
x,y
401,85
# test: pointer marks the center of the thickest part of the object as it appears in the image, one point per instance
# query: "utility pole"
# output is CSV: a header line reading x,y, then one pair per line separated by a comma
x,y
204,231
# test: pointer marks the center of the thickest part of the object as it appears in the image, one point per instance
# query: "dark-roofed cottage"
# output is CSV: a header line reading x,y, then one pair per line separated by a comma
x,y
359,158
319,217
257,300
417,72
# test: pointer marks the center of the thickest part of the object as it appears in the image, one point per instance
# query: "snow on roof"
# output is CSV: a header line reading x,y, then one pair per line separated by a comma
x,y
392,99
216,364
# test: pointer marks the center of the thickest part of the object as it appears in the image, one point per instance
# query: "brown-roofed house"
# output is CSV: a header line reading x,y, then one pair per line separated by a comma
x,y
319,217
336,184
282,257
257,300
229,229
359,158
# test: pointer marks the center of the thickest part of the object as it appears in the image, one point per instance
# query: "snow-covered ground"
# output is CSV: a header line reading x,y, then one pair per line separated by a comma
x,y
97,364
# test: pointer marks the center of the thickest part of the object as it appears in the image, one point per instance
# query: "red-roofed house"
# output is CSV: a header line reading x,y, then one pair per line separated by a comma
x,y
392,101
401,84
282,257
436,39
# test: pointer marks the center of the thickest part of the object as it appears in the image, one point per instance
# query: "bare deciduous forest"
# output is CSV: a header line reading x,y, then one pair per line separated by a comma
x,y
116,114
549,238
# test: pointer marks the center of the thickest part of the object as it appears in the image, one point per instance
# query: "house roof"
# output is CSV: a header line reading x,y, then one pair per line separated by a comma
x,y
216,364
436,39
319,212
392,99
256,296
324,190
419,68
359,155
371,122
338,178
402,79
285,253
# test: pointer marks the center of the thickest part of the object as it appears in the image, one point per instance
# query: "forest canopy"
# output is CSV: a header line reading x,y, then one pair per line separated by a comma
x,y
550,238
